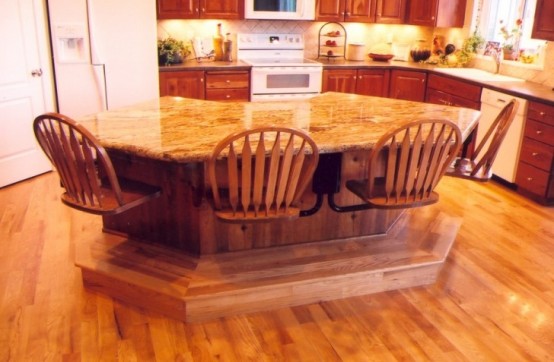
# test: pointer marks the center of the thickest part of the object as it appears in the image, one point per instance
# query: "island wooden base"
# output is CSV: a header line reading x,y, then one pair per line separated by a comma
x,y
193,289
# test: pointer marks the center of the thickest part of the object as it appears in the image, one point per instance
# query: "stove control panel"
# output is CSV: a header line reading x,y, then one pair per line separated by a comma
x,y
270,41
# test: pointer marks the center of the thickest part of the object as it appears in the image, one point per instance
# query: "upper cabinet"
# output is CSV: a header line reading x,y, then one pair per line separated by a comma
x,y
390,11
543,26
361,11
440,13
200,9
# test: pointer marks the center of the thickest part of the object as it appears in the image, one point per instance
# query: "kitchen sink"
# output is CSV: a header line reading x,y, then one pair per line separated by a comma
x,y
477,75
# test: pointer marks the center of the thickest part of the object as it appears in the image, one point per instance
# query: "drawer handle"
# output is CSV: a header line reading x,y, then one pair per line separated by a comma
x,y
529,179
542,114
534,154
227,81
539,132
228,96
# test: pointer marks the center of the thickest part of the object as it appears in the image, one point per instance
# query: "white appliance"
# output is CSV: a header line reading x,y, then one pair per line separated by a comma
x,y
279,69
105,53
280,9
505,164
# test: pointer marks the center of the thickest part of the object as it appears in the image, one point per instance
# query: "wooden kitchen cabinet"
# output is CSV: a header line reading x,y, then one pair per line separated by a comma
x,y
452,92
189,84
362,11
373,82
370,82
228,85
200,9
210,85
339,80
408,85
543,25
535,171
439,13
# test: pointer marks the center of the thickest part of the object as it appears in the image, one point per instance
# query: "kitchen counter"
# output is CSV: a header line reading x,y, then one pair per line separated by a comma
x,y
174,256
186,130
526,89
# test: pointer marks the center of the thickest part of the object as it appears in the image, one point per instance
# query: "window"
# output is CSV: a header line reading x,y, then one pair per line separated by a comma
x,y
489,16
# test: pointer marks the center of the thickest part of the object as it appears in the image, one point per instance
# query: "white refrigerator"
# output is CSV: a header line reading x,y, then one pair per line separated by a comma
x,y
105,54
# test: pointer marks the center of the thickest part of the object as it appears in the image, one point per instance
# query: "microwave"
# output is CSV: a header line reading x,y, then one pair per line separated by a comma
x,y
280,9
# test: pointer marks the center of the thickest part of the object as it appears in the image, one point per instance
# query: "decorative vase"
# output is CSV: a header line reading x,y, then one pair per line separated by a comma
x,y
509,54
420,51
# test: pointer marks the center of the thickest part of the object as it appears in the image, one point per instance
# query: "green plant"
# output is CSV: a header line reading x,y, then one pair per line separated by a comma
x,y
474,43
171,51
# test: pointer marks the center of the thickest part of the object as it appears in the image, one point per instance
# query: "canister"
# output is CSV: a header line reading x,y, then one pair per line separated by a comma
x,y
356,51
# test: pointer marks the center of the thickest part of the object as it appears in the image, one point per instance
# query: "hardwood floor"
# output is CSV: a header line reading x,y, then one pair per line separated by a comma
x,y
494,299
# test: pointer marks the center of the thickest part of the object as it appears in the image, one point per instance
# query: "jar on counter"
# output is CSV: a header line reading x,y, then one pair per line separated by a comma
x,y
420,51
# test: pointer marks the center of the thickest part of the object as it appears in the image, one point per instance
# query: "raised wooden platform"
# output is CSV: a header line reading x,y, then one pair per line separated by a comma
x,y
207,287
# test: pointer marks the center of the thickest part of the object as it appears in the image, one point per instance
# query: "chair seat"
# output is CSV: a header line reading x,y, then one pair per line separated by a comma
x,y
360,188
464,168
133,194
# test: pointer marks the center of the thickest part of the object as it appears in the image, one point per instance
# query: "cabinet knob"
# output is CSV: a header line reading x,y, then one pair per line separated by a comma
x,y
539,132
227,81
227,96
542,114
534,154
36,72
529,179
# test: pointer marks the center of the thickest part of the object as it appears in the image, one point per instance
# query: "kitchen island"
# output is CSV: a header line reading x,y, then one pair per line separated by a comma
x,y
205,268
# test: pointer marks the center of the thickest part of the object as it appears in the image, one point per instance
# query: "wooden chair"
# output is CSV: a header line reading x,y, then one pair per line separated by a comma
x,y
407,163
260,174
480,169
85,169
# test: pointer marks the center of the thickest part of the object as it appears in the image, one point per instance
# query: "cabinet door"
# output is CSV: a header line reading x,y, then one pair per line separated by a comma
x,y
361,11
543,27
373,82
390,11
339,80
188,84
423,12
222,9
408,85
177,9
329,10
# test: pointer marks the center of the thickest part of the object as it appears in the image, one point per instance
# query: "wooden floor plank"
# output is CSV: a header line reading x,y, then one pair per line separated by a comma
x,y
494,299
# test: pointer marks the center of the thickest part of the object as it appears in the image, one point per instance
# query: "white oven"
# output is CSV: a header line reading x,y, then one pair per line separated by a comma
x,y
285,81
279,70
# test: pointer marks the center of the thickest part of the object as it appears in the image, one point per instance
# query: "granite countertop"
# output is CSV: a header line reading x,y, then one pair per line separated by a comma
x,y
186,130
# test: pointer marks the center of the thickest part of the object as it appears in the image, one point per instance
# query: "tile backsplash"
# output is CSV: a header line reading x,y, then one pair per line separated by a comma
x,y
369,34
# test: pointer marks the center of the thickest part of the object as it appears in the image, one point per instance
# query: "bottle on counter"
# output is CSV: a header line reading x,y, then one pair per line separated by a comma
x,y
218,44
228,48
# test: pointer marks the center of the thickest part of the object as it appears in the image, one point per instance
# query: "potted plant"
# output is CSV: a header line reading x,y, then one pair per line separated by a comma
x,y
171,51
475,43
511,39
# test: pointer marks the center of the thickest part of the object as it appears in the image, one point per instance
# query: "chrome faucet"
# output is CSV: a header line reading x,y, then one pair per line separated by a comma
x,y
496,55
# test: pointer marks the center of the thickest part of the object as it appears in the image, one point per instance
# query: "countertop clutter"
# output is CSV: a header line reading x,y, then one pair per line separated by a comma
x,y
529,90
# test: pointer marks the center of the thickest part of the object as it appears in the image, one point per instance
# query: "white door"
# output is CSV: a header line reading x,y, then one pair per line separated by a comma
x,y
23,94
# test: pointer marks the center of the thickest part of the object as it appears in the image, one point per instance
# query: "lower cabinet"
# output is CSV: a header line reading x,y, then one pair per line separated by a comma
x,y
408,85
458,93
210,85
188,84
535,171
370,82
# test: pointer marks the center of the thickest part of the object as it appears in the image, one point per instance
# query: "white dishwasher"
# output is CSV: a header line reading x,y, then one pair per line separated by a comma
x,y
505,164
